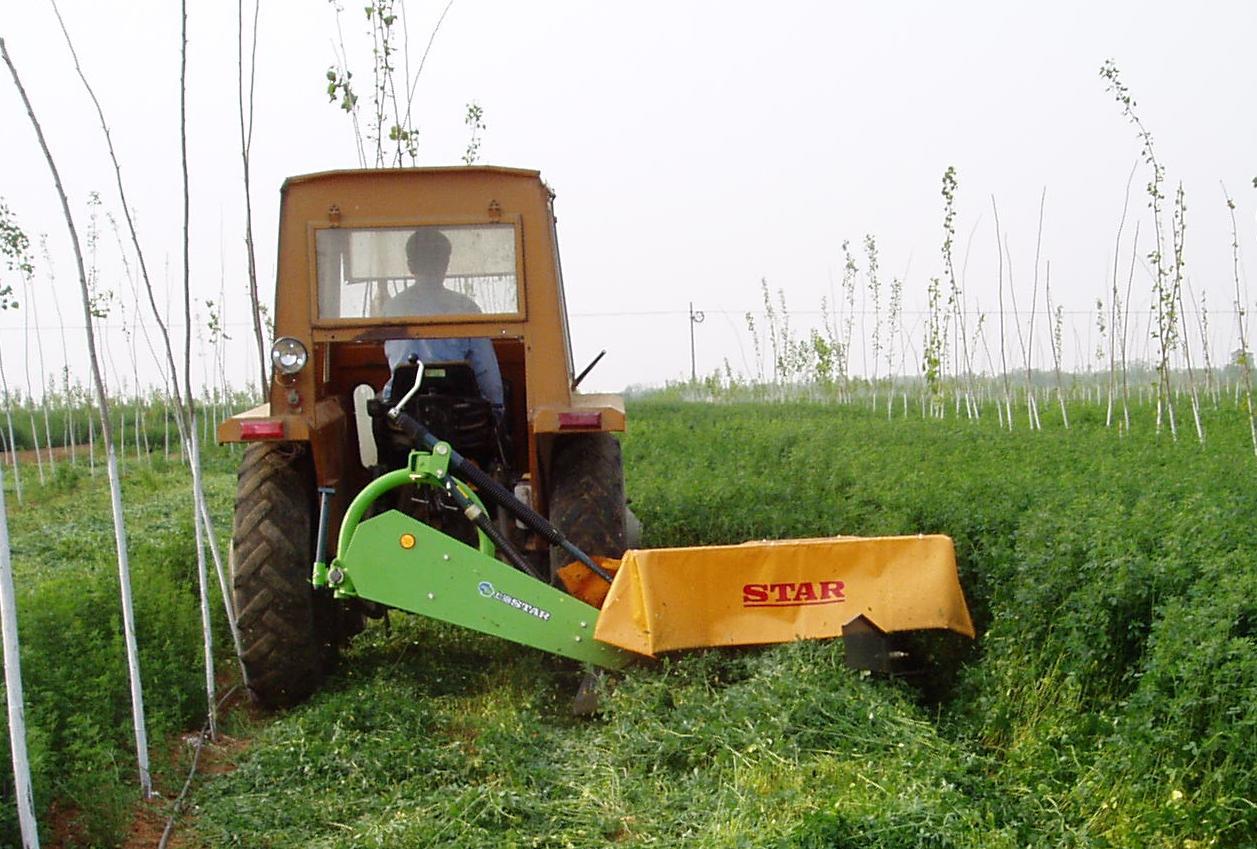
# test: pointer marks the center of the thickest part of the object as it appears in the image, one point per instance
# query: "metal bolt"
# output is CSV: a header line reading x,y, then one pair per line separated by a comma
x,y
445,557
442,448
431,596
578,639
335,576
583,625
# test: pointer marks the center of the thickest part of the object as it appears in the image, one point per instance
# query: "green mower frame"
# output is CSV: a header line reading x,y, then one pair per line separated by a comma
x,y
398,561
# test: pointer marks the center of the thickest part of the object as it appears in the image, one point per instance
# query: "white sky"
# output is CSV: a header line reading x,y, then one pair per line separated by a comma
x,y
695,149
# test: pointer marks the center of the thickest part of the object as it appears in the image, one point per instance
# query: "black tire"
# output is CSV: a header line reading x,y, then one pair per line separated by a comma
x,y
277,610
587,496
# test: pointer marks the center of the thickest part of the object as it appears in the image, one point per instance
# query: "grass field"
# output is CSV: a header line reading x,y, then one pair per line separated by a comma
x,y
1111,699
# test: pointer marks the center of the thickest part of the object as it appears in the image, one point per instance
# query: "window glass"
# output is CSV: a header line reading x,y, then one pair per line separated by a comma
x,y
416,272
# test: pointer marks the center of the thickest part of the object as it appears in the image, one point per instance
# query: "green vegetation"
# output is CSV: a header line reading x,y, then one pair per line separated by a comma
x,y
1111,700
73,663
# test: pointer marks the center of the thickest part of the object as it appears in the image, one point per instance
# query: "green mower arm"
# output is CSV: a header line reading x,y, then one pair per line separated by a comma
x,y
396,560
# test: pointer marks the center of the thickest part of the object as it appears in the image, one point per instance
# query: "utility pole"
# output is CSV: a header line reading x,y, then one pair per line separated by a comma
x,y
695,318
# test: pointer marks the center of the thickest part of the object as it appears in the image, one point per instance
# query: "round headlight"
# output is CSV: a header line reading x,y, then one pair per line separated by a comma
x,y
288,355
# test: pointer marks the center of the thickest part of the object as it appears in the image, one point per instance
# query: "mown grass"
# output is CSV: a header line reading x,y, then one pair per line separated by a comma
x,y
1111,701
438,737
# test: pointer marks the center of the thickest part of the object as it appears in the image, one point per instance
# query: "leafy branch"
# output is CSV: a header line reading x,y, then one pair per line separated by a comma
x,y
15,247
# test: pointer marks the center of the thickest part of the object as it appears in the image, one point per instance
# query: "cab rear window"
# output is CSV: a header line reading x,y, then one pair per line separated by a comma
x,y
416,272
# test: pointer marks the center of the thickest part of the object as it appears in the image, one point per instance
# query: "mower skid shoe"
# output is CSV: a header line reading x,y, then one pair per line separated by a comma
x,y
588,698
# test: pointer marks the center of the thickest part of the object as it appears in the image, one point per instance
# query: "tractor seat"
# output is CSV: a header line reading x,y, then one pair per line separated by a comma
x,y
454,378
449,404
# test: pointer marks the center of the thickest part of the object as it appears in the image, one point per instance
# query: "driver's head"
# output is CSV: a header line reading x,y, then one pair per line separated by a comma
x,y
428,254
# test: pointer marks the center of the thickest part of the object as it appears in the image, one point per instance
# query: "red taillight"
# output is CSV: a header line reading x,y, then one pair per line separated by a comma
x,y
568,421
262,429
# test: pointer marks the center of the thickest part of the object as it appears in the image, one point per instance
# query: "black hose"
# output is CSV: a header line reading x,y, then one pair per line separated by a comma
x,y
481,520
470,472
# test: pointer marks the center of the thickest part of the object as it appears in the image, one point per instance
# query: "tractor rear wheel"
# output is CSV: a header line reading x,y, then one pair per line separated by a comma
x,y
587,496
282,620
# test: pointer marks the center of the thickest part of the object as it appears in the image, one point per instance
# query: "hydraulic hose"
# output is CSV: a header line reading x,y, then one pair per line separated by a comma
x,y
482,521
470,472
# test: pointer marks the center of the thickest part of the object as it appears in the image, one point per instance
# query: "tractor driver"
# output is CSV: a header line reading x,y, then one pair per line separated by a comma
x,y
428,256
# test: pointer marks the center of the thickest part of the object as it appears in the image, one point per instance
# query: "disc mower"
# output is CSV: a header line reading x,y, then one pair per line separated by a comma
x,y
425,418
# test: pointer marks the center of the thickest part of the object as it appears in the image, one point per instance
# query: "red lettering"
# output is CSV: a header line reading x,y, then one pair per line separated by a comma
x,y
832,589
792,594
754,594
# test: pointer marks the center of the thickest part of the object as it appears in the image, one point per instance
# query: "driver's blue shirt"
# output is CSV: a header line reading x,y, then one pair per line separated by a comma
x,y
478,352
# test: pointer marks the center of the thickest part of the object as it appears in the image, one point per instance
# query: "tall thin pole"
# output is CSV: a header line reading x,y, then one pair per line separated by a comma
x,y
185,431
106,432
696,317
194,452
13,688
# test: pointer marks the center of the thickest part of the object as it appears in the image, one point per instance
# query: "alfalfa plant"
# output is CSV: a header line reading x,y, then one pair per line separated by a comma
x,y
15,248
10,444
770,323
875,292
894,314
796,355
756,346
1178,233
1032,404
1202,321
1164,294
1100,352
44,379
776,327
850,273
934,353
1026,341
1058,324
1006,417
1119,314
141,404
69,435
955,298
1243,356
26,372
31,317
